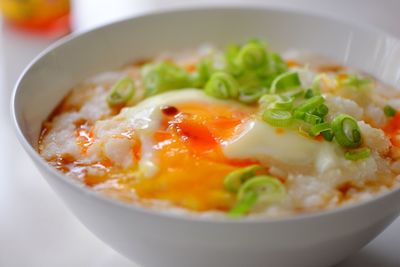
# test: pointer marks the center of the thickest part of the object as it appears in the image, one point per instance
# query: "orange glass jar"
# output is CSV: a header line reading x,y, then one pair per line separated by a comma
x,y
41,16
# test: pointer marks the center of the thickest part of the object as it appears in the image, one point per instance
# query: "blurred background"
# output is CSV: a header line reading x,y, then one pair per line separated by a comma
x,y
36,229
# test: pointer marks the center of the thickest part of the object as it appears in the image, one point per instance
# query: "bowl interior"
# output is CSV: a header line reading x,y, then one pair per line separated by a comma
x,y
72,59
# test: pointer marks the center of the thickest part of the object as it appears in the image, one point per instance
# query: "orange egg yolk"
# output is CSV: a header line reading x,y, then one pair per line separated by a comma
x,y
192,166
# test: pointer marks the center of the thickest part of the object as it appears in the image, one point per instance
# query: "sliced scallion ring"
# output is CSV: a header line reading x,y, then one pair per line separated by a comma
x,y
250,90
122,91
321,111
355,81
276,64
267,100
204,68
316,84
250,97
236,178
319,128
328,135
252,55
299,115
346,130
269,189
358,154
311,103
277,117
244,205
308,94
259,189
164,76
295,93
285,81
222,85
271,101
312,119
284,102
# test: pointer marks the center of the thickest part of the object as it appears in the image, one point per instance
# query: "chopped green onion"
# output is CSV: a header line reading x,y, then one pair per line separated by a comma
x,y
252,56
269,189
276,101
203,72
244,205
316,84
299,115
389,111
296,93
355,81
165,76
321,111
328,135
122,91
249,96
251,87
236,178
230,54
346,130
309,93
276,64
222,85
311,103
277,117
267,100
312,119
262,189
357,154
284,102
319,128
285,81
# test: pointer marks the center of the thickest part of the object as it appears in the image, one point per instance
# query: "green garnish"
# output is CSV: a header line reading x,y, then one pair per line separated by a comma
x,y
162,77
346,131
203,72
284,103
276,64
355,81
230,54
312,119
268,100
277,117
357,154
321,111
311,103
298,114
276,102
250,94
122,91
328,135
262,189
244,205
285,81
222,85
320,128
252,56
316,84
236,178
389,111
308,94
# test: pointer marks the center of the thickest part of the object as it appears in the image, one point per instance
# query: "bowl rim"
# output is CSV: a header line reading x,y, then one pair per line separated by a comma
x,y
165,214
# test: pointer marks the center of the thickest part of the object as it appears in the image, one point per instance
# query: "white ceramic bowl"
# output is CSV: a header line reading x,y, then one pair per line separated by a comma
x,y
153,239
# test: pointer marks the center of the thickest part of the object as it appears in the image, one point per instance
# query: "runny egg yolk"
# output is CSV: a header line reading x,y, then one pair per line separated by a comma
x,y
191,165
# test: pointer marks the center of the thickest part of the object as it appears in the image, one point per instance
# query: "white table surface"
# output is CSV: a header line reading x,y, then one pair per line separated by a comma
x,y
37,230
